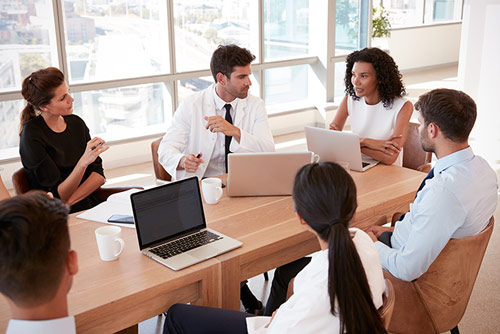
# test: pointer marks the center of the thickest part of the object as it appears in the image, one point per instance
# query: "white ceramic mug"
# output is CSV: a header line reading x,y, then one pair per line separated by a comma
x,y
314,158
345,165
109,242
212,190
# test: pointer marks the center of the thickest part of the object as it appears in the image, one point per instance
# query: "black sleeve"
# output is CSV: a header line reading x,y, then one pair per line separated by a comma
x,y
43,173
96,166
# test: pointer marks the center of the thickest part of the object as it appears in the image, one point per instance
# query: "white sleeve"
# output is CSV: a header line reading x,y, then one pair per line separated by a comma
x,y
255,137
175,140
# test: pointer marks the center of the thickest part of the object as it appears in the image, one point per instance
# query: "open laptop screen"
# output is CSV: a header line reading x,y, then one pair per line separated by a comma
x,y
167,211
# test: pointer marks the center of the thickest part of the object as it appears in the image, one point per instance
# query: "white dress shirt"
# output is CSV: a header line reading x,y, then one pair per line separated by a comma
x,y
217,164
308,309
456,203
62,325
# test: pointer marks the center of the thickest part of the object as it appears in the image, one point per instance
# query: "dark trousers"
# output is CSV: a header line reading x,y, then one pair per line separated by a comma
x,y
282,276
185,319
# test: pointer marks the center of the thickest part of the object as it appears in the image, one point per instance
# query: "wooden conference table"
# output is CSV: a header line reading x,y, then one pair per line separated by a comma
x,y
111,296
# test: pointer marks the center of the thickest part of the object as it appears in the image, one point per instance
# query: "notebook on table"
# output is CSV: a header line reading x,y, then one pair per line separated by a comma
x,y
264,173
171,227
338,146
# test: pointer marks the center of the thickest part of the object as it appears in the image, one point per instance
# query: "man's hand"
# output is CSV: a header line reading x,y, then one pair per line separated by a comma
x,y
375,231
219,124
190,162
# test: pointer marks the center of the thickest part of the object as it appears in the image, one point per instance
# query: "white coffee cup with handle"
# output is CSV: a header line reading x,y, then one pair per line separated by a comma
x,y
109,242
212,190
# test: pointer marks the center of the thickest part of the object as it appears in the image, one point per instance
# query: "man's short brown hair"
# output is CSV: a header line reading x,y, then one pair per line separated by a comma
x,y
34,245
453,111
226,57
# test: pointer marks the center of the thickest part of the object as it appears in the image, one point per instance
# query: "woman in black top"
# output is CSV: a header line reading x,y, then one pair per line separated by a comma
x,y
56,150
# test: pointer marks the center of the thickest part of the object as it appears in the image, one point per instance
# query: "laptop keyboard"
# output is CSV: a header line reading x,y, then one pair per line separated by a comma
x,y
183,245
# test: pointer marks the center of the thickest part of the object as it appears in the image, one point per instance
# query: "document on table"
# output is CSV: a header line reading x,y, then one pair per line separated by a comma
x,y
116,204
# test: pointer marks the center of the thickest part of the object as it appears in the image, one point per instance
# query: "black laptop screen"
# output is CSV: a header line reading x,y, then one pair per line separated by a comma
x,y
167,211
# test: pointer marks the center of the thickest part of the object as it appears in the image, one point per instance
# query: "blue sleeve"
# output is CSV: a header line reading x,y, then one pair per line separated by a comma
x,y
422,234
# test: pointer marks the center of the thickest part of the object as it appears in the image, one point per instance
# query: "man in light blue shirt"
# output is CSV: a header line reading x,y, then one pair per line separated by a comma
x,y
456,202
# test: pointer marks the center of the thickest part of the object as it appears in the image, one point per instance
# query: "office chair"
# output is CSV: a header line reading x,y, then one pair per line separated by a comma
x,y
21,186
414,156
436,301
160,172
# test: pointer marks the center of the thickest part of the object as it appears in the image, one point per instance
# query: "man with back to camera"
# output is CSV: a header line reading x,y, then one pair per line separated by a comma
x,y
210,124
219,120
458,197
36,263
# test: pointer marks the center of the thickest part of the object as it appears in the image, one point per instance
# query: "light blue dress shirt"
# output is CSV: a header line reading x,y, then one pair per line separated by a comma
x,y
458,202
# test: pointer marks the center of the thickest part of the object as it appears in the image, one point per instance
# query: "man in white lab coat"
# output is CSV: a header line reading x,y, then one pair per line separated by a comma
x,y
219,120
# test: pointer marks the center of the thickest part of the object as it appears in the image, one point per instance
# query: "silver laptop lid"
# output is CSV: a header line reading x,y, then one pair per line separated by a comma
x,y
335,146
167,212
264,173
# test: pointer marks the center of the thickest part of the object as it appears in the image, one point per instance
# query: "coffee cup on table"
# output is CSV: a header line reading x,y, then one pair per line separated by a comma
x,y
109,242
212,190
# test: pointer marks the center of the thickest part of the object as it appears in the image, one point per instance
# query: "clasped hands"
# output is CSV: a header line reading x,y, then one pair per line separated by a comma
x,y
389,146
376,231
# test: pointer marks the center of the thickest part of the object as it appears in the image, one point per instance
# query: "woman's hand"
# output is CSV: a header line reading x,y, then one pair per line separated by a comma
x,y
389,146
94,148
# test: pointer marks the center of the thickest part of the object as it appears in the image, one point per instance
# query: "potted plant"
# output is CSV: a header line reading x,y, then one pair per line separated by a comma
x,y
381,27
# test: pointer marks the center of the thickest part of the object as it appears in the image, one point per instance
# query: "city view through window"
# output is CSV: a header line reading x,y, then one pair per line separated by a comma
x,y
130,62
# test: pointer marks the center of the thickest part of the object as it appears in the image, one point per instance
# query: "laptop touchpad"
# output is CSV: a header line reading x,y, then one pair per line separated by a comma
x,y
203,252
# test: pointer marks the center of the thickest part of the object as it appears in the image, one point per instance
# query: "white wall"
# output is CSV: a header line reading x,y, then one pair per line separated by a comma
x,y
425,47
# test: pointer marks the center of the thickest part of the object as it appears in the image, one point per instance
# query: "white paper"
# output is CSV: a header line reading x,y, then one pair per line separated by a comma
x,y
117,204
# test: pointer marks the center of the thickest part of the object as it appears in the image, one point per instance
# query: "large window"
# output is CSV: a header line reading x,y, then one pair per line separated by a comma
x,y
129,63
107,40
404,13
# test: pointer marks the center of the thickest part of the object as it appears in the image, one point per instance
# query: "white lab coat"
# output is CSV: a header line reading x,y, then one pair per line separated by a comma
x,y
188,133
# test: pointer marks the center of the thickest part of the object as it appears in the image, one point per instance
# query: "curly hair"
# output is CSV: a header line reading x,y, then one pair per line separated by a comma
x,y
389,80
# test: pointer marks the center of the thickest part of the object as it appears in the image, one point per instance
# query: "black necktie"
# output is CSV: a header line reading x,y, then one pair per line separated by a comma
x,y
228,138
428,177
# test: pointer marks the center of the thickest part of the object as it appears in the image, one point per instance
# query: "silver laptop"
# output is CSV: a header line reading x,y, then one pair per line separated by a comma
x,y
171,227
337,146
265,173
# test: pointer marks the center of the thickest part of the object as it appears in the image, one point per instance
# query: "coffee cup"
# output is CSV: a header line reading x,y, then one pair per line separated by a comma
x,y
212,190
109,242
345,165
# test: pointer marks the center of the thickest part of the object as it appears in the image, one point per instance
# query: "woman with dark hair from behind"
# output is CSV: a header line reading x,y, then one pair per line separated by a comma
x,y
374,101
56,150
347,267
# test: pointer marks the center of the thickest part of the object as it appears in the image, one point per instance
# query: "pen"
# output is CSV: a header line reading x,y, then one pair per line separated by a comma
x,y
198,155
94,147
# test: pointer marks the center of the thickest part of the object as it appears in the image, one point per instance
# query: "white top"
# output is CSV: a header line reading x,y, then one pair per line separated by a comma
x,y
62,325
188,133
308,309
375,121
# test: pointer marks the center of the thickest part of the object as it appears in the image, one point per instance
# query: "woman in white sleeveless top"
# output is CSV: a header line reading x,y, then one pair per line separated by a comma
x,y
374,101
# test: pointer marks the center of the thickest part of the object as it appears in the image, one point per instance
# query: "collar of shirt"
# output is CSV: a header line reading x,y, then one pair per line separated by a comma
x,y
220,103
452,159
61,325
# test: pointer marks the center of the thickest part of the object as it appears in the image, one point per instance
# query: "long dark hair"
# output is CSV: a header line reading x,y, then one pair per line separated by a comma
x,y
38,89
325,197
390,83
